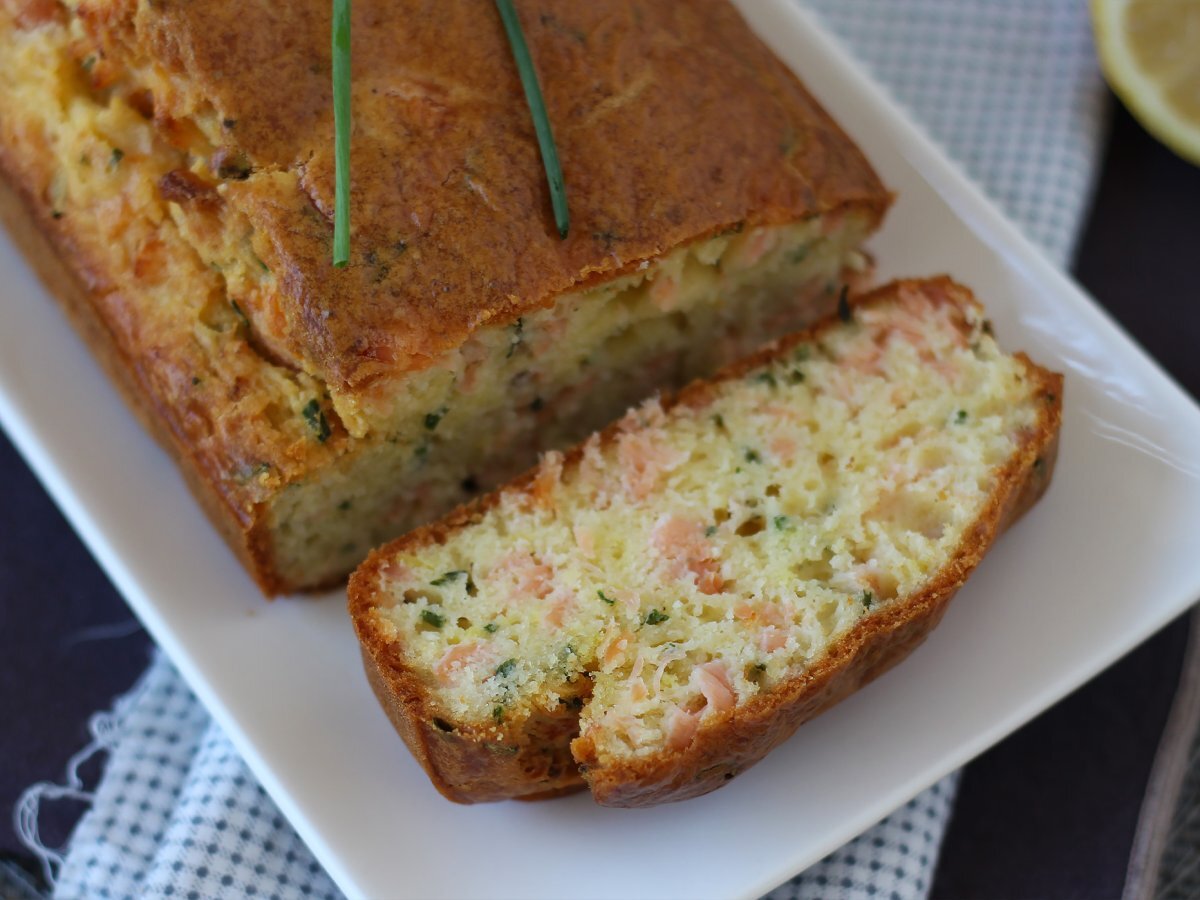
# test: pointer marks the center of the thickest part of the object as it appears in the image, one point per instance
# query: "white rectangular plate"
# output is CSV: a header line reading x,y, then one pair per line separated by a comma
x,y
1106,558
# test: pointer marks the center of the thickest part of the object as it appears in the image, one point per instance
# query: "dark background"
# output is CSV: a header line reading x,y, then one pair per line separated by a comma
x,y
1048,813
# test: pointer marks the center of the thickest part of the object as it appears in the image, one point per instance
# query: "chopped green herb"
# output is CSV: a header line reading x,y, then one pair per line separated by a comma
x,y
718,420
341,138
515,339
443,580
432,419
506,668
422,452
656,618
537,109
262,265
867,599
607,238
498,713
316,420
491,627
345,505
960,416
795,376
429,617
710,530
783,523
767,378
88,62
234,166
753,456
844,311
787,144
607,599
115,158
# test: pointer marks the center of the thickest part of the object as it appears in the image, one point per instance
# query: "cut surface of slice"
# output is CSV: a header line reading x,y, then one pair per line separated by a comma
x,y
1150,52
653,611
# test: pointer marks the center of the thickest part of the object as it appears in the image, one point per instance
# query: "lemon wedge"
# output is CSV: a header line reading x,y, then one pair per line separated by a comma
x,y
1150,53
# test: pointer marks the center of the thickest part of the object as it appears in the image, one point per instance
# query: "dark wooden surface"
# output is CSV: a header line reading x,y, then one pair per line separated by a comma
x,y
1049,812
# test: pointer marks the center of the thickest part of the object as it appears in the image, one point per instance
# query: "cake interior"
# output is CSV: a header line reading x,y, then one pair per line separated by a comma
x,y
710,552
551,378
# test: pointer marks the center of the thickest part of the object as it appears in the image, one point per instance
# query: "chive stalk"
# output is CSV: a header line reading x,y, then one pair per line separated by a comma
x,y
537,109
341,124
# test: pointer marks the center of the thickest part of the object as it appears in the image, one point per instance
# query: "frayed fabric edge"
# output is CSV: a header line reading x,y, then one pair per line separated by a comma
x,y
107,728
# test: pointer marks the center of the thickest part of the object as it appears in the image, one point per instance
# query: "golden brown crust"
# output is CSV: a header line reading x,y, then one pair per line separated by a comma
x,y
45,243
534,764
672,120
747,733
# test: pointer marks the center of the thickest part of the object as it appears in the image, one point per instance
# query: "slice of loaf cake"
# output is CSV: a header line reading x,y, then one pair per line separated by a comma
x,y
172,173
655,610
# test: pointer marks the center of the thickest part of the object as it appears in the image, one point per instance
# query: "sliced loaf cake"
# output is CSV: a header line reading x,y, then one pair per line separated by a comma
x,y
652,612
169,168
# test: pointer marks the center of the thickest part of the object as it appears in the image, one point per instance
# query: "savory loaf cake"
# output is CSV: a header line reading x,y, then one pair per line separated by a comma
x,y
655,610
173,168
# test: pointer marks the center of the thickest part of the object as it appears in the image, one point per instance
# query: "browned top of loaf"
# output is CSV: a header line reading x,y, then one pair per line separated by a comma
x,y
672,120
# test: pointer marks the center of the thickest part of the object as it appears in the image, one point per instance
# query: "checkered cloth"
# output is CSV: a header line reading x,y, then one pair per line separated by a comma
x,y
1010,88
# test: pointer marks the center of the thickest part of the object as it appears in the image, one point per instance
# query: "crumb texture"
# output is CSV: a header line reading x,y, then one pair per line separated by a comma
x,y
702,555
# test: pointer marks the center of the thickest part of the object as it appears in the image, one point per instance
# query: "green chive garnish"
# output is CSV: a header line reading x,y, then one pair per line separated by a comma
x,y
537,109
341,125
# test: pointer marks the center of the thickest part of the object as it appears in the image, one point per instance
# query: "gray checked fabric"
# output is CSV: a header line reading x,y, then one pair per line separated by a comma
x,y
1011,90
176,813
